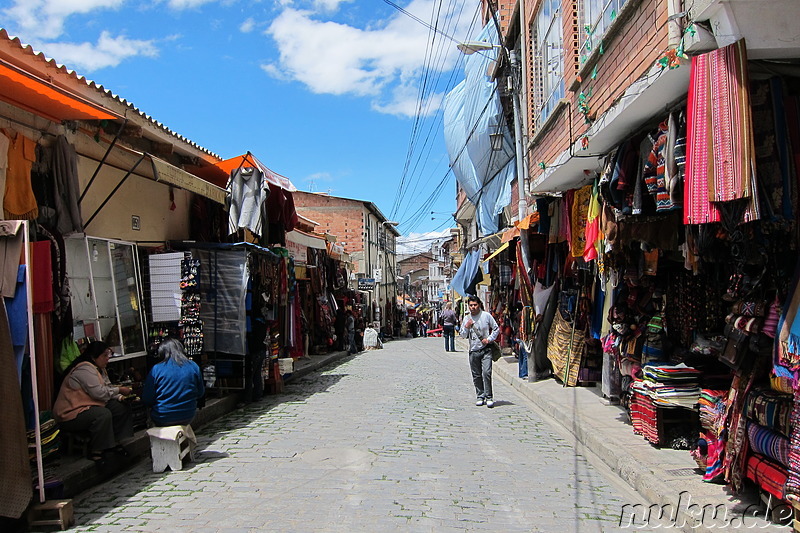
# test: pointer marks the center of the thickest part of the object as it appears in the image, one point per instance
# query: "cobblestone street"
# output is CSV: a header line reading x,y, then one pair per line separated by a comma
x,y
388,440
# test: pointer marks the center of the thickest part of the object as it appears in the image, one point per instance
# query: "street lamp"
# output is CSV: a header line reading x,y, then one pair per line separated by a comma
x,y
470,47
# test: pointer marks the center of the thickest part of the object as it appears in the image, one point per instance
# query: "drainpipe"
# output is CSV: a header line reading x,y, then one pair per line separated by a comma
x,y
674,28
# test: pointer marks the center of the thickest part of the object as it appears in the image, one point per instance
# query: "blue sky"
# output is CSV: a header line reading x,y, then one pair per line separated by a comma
x,y
337,95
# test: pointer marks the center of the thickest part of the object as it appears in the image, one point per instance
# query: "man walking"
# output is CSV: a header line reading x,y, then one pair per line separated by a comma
x,y
449,321
480,328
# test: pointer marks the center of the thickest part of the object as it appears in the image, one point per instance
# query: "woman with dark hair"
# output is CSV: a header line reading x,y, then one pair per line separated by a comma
x,y
88,402
173,386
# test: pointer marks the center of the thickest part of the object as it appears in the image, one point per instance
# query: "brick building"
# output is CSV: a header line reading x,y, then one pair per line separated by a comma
x,y
364,233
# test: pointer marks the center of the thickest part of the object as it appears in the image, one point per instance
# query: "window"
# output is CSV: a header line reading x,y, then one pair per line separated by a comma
x,y
548,50
597,17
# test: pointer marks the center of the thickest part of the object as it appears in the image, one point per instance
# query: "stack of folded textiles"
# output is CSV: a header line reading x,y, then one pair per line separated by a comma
x,y
712,409
49,435
671,385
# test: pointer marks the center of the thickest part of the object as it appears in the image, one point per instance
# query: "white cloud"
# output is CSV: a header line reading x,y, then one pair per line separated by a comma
x,y
107,52
44,19
187,4
383,62
247,26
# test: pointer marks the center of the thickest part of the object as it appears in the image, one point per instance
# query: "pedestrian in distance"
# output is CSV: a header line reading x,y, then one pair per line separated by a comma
x,y
449,323
480,328
350,328
173,387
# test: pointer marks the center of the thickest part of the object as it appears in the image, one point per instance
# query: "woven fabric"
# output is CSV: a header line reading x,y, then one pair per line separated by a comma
x,y
770,409
793,483
721,155
697,207
15,469
731,119
644,415
770,476
565,349
768,443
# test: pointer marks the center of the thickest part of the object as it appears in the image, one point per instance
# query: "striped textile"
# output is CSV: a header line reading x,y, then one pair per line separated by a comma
x,y
565,349
731,120
697,209
720,148
770,409
768,443
768,475
793,483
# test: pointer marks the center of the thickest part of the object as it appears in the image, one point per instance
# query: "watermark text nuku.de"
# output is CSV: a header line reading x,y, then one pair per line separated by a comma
x,y
688,515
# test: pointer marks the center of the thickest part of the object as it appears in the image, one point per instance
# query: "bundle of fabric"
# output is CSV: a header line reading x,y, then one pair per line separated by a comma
x,y
770,409
781,383
51,442
644,414
712,410
671,385
768,475
793,483
768,443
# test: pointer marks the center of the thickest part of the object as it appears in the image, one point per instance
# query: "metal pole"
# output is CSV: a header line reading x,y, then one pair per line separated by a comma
x,y
520,155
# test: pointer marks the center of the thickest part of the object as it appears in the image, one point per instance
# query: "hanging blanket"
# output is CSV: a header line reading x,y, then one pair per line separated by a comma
x,y
720,146
770,476
769,443
565,349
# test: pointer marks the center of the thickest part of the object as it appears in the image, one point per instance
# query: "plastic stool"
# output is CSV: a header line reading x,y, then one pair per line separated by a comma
x,y
170,445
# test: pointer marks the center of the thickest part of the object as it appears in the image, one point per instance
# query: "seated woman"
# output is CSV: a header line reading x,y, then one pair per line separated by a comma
x,y
88,402
173,387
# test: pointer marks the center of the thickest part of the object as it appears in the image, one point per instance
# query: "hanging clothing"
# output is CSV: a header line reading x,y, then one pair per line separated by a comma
x,y
15,470
19,201
247,191
65,180
10,252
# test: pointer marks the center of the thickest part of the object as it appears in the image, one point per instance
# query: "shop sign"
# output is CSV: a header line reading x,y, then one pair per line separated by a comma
x,y
366,284
298,252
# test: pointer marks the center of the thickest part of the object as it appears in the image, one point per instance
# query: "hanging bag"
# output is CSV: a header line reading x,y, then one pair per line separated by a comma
x,y
497,352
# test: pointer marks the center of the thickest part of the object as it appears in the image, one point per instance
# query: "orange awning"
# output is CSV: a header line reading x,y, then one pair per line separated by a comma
x,y
248,160
31,93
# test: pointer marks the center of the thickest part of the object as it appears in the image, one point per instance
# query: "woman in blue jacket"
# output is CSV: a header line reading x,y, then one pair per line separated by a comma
x,y
173,386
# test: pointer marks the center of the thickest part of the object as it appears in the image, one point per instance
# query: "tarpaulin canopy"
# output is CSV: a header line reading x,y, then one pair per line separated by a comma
x,y
466,272
473,112
494,254
248,160
29,92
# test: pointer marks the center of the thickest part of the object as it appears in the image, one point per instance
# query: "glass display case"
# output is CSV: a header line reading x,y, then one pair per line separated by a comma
x,y
106,293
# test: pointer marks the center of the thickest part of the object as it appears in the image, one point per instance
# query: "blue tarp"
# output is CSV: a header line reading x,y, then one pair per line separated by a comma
x,y
466,272
472,111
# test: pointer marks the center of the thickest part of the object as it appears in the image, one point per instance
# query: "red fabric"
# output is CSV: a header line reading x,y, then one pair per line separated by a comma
x,y
770,476
42,277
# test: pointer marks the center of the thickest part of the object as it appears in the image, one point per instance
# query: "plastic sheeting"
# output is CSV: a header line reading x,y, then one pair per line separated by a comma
x,y
472,111
466,272
223,285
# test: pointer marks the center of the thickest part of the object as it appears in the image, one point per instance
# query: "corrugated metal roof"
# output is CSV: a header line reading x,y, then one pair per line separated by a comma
x,y
102,91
